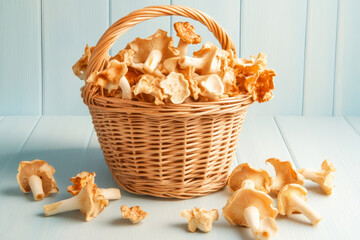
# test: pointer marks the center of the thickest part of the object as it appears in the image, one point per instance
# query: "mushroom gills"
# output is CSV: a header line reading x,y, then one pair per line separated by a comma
x,y
36,187
152,60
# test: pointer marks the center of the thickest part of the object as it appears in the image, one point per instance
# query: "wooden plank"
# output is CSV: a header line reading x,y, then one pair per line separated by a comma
x,y
320,58
11,141
277,28
347,87
20,60
69,26
312,140
355,123
60,141
227,15
119,9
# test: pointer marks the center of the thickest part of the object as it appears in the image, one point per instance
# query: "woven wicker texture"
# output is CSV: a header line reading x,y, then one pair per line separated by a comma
x,y
172,151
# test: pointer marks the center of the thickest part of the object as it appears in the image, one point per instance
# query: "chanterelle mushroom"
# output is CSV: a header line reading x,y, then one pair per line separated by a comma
x,y
244,173
292,198
89,201
250,207
135,214
80,66
285,174
206,61
323,177
84,178
37,176
152,50
186,32
214,87
200,218
176,86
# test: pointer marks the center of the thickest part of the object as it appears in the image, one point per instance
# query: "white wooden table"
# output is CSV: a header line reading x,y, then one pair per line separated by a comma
x,y
70,145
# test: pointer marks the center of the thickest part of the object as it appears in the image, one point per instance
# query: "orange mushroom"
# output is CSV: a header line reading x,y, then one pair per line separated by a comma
x,y
37,176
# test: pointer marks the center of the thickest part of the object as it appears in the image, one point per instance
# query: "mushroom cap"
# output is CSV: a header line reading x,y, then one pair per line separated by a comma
x,y
328,166
93,203
150,85
186,32
200,218
124,56
213,85
286,193
285,174
246,197
135,214
176,86
159,41
79,68
261,178
80,181
39,168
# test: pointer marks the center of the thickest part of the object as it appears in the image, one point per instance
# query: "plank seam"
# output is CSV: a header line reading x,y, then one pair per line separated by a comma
x,y
2,119
305,51
42,92
83,154
335,92
14,155
171,21
240,26
286,141
349,121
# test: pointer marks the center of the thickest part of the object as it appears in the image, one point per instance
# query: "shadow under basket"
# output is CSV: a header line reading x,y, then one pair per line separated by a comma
x,y
171,151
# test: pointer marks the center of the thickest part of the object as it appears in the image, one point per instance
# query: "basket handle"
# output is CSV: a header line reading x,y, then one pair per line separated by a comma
x,y
112,34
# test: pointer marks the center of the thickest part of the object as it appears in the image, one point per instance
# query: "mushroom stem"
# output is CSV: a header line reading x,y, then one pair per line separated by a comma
x,y
312,174
125,88
252,217
36,187
62,206
248,184
186,61
183,47
152,60
110,193
301,206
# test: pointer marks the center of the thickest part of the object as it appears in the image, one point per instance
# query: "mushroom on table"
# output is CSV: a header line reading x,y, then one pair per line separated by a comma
x,y
292,198
89,201
200,218
134,214
84,178
244,173
323,177
285,174
37,176
252,208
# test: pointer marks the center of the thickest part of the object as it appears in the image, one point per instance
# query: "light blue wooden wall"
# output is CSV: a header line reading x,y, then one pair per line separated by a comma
x,y
312,44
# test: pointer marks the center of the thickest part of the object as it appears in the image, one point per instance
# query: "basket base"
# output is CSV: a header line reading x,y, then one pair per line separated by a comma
x,y
167,189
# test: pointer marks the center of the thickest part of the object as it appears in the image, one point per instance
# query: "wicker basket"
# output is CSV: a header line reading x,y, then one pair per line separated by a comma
x,y
171,151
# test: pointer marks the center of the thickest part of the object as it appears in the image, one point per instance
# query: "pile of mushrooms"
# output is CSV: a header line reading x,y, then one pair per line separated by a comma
x,y
251,206
37,176
153,70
